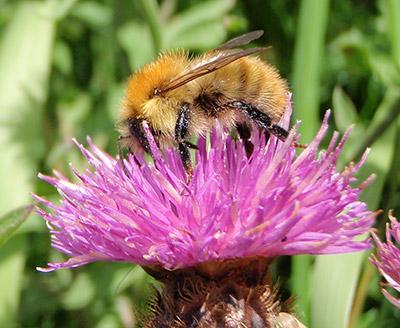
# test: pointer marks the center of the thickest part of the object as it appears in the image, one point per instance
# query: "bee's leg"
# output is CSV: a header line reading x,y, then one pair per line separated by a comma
x,y
260,118
279,132
137,131
181,133
267,135
244,131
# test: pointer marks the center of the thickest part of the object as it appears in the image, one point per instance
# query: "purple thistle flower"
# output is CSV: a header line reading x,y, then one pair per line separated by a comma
x,y
387,259
273,203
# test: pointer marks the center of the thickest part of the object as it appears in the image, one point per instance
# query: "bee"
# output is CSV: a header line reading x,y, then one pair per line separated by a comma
x,y
180,96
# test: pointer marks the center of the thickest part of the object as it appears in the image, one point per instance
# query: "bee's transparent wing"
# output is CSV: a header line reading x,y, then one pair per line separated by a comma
x,y
209,64
240,40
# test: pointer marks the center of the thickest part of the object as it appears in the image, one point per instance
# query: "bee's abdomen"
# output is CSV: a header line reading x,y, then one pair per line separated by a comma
x,y
249,80
260,85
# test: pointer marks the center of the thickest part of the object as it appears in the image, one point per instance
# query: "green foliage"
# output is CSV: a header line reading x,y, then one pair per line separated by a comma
x,y
10,222
63,65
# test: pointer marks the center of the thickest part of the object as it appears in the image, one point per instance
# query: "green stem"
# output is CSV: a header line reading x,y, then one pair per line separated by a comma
x,y
150,9
361,293
307,61
300,283
394,29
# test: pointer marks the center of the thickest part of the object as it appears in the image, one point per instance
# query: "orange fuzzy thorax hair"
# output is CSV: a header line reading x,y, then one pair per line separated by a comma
x,y
140,87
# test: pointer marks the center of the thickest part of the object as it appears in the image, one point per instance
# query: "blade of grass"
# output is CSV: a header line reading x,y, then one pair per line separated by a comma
x,y
12,262
394,29
308,54
25,57
334,282
150,10
307,59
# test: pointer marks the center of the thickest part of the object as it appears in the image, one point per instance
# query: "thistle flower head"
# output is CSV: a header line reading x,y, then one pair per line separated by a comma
x,y
387,259
273,203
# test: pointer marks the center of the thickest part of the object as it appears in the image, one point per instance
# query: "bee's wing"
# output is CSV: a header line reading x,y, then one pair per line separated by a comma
x,y
240,40
209,65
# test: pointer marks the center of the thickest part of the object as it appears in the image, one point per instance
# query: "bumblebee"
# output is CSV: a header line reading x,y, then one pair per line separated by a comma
x,y
180,96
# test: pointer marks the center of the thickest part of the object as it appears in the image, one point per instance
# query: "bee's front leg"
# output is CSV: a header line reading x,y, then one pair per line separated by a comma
x,y
137,131
181,133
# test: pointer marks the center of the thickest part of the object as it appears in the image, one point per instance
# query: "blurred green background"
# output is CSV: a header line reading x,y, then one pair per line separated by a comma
x,y
63,65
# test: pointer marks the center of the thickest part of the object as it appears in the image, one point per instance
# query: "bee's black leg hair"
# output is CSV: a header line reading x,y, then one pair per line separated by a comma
x,y
181,133
267,135
137,131
262,119
244,131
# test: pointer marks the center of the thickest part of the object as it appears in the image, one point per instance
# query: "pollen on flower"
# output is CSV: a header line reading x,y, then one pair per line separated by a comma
x,y
271,204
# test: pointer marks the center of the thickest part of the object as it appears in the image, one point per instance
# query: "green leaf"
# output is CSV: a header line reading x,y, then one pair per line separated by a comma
x,y
385,68
80,293
10,222
344,110
12,262
25,59
335,279
201,37
136,40
193,19
92,13
383,119
62,57
308,52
